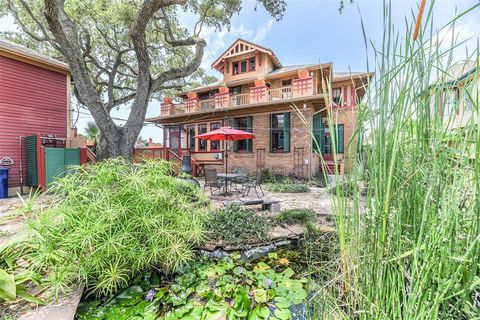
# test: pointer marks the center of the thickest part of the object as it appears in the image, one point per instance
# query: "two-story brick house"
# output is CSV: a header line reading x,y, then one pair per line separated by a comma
x,y
282,105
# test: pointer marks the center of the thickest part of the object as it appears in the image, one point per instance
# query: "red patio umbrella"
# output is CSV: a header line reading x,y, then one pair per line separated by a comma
x,y
226,134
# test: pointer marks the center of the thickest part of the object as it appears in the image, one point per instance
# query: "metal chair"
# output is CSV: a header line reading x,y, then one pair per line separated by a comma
x,y
255,184
212,181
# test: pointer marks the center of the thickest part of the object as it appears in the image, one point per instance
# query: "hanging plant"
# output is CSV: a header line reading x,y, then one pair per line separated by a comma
x,y
167,100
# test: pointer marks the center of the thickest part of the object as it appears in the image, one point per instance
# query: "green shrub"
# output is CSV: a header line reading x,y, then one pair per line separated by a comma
x,y
296,216
236,225
287,187
112,220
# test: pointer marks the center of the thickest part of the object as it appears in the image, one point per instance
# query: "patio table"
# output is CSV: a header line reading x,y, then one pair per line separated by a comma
x,y
229,177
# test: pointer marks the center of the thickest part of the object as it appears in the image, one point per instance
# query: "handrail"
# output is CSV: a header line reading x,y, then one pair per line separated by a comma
x,y
92,157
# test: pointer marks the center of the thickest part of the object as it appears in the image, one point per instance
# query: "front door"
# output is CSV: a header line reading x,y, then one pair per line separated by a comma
x,y
174,139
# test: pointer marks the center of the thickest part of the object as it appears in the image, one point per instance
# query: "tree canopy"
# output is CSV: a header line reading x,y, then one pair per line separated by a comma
x,y
122,52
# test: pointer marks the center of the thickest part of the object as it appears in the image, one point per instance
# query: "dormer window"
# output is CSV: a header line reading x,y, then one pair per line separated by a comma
x,y
244,66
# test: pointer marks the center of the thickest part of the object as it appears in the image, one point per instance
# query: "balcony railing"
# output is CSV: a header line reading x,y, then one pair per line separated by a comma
x,y
207,104
299,88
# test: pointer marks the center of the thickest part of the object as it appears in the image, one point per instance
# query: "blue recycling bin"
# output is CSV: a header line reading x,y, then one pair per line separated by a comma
x,y
3,183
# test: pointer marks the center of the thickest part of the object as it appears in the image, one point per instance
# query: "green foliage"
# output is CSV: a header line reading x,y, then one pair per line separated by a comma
x,y
410,248
210,290
112,220
287,187
235,224
296,216
92,132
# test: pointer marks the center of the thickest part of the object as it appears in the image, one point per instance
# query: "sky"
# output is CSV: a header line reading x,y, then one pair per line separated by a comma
x,y
313,31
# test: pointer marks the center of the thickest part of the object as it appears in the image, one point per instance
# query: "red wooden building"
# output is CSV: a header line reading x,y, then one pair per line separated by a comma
x,y
34,100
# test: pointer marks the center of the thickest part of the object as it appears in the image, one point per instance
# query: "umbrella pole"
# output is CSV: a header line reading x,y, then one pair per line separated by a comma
x,y
226,167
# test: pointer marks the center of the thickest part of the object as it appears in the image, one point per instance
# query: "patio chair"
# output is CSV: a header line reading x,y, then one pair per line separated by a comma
x,y
253,184
212,181
240,180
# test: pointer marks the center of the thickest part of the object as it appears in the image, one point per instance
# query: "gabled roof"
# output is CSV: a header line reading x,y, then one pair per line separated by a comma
x,y
241,46
18,52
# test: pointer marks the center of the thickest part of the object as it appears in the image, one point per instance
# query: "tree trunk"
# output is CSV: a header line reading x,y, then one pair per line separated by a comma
x,y
117,141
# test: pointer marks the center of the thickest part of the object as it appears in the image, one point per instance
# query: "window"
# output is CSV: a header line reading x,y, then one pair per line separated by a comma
x,y
245,124
467,101
449,101
243,66
191,139
280,132
337,95
214,145
202,128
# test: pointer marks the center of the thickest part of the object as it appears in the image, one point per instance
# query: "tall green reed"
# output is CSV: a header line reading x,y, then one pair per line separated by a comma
x,y
410,248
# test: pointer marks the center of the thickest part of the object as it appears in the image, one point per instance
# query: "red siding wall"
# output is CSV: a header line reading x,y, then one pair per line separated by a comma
x,y
32,100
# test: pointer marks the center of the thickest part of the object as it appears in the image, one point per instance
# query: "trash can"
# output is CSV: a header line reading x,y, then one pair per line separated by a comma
x,y
3,183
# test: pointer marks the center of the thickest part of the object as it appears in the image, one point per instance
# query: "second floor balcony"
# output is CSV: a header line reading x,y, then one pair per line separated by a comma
x,y
299,88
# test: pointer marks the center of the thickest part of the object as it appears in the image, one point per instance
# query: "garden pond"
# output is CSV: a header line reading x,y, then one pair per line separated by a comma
x,y
272,287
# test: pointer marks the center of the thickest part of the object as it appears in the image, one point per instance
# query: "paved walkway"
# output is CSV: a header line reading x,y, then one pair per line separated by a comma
x,y
316,199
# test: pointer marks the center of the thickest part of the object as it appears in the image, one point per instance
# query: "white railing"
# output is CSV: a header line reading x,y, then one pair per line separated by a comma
x,y
281,93
240,99
274,94
207,104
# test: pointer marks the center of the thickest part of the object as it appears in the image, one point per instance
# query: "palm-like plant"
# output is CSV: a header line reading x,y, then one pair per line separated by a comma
x,y
92,131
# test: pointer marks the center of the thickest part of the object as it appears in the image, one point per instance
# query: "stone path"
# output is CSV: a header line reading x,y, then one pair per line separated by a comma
x,y
317,199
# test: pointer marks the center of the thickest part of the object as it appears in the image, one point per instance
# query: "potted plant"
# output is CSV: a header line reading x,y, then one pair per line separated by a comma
x,y
167,100
303,73
260,82
223,88
191,95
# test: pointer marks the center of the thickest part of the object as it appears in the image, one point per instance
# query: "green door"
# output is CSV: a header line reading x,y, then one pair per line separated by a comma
x,y
57,161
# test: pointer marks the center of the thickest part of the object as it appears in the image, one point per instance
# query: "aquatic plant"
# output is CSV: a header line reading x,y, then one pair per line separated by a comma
x,y
224,289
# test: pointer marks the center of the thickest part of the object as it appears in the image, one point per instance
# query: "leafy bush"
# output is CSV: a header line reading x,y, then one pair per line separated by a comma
x,y
293,216
287,187
112,220
211,290
236,225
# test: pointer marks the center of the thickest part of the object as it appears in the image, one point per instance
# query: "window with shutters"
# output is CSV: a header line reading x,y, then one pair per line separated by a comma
x,y
280,132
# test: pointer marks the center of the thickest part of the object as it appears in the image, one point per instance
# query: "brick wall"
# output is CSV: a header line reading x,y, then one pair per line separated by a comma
x,y
279,162
284,163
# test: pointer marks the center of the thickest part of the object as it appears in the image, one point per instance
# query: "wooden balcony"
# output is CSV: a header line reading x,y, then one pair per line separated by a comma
x,y
299,88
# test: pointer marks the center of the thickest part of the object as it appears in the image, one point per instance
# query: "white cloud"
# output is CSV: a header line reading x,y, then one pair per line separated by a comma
x,y
464,34
263,30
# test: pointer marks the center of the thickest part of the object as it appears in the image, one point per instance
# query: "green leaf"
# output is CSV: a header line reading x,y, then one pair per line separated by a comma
x,y
22,293
282,302
272,255
8,289
260,295
263,312
288,272
283,314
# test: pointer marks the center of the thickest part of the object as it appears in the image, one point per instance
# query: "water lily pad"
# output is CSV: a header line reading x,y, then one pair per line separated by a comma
x,y
283,314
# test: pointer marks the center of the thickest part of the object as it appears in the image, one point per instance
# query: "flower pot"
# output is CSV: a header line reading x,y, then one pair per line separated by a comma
x,y
223,89
192,95
259,82
302,74
167,100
